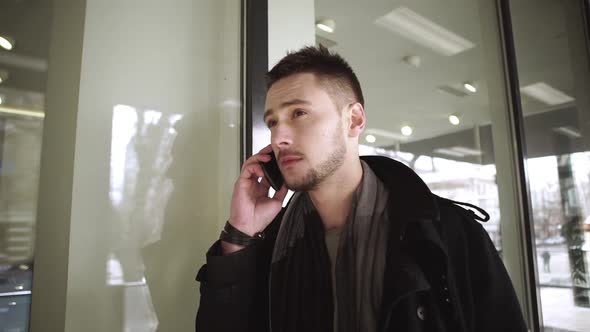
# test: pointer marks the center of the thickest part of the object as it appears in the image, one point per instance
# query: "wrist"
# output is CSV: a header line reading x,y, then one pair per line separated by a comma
x,y
233,235
244,227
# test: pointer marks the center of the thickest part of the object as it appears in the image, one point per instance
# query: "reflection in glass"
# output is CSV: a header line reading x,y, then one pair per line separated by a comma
x,y
141,146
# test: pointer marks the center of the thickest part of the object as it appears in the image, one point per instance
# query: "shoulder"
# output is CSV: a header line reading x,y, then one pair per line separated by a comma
x,y
456,218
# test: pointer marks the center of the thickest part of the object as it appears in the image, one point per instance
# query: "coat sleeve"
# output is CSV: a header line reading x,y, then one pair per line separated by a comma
x,y
234,290
495,304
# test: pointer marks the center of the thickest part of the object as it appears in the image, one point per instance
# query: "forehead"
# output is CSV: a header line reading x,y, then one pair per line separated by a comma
x,y
304,86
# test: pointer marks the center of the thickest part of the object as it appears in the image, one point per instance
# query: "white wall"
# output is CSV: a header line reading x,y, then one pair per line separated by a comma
x,y
291,25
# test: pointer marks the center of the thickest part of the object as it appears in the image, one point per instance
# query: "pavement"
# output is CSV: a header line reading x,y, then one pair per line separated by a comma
x,y
557,303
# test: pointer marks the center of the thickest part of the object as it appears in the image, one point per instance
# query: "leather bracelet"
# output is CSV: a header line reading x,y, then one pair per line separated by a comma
x,y
233,235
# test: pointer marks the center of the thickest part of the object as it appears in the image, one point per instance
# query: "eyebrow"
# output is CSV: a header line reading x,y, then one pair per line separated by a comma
x,y
287,103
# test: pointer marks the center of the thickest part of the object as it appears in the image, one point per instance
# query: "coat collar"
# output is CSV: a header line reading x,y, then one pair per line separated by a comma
x,y
409,194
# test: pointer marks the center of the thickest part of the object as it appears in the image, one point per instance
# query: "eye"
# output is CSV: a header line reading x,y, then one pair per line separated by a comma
x,y
270,123
298,113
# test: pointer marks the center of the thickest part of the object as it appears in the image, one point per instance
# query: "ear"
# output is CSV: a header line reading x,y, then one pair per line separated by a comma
x,y
357,120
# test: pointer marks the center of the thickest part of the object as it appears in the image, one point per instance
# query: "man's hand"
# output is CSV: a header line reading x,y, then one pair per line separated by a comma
x,y
251,208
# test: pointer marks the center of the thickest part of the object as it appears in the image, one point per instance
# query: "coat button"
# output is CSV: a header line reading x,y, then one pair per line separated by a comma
x,y
421,312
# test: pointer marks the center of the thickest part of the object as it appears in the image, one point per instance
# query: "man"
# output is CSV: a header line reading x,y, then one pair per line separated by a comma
x,y
363,244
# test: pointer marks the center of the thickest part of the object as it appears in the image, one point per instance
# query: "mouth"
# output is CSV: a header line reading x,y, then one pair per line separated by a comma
x,y
287,161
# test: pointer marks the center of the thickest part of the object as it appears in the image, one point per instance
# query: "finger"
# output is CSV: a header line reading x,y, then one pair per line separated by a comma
x,y
250,171
266,150
281,194
255,159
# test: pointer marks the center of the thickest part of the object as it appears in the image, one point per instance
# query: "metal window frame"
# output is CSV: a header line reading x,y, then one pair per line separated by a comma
x,y
254,67
534,316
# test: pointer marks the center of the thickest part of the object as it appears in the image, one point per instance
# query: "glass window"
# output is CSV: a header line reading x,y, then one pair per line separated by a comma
x,y
23,72
553,69
433,79
431,101
140,127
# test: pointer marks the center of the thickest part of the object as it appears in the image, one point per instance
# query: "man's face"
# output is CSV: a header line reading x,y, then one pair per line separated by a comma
x,y
307,133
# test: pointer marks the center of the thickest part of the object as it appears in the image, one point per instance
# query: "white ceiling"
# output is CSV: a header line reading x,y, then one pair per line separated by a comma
x,y
398,94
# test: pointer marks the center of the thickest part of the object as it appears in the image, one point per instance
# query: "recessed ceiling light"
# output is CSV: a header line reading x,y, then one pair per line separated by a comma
x,y
6,43
23,267
326,24
19,287
1,100
12,303
370,138
421,30
454,119
547,94
407,130
470,87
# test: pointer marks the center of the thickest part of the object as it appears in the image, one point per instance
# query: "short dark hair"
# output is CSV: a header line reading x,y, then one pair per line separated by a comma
x,y
327,66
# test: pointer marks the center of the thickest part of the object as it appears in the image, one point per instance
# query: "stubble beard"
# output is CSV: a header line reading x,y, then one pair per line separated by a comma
x,y
324,170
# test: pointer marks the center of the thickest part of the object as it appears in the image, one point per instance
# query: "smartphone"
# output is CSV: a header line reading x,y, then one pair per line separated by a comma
x,y
272,173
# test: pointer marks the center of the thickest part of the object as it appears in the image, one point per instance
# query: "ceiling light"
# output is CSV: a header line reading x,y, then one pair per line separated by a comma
x,y
568,131
370,138
419,29
457,92
1,100
12,303
16,111
23,267
545,93
454,119
470,87
449,152
326,24
6,43
407,130
19,287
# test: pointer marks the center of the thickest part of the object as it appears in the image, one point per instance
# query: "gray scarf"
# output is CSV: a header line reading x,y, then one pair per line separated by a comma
x,y
360,265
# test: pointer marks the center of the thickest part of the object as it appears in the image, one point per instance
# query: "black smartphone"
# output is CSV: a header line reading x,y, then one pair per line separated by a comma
x,y
272,173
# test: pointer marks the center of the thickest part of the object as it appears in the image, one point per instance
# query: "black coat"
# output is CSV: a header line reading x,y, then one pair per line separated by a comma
x,y
442,274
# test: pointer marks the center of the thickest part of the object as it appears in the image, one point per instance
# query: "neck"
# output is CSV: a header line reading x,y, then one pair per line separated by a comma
x,y
334,196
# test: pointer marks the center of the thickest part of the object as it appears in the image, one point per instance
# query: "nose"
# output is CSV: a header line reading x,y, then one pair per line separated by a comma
x,y
281,136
